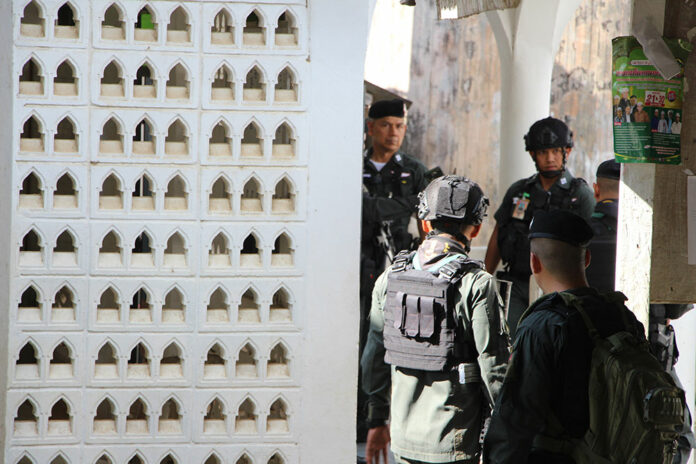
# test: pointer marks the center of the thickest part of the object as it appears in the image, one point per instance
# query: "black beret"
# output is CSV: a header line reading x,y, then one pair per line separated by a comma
x,y
609,169
561,225
384,108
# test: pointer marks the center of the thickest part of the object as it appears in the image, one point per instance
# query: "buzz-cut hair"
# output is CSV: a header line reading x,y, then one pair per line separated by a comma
x,y
608,186
560,259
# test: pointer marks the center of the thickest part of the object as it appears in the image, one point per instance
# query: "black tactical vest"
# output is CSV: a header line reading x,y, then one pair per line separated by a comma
x,y
513,241
421,328
602,269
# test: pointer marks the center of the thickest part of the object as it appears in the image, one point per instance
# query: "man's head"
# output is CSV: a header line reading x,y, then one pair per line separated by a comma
x,y
640,106
608,177
677,116
558,243
633,100
657,113
617,99
662,115
386,125
549,142
453,205
619,112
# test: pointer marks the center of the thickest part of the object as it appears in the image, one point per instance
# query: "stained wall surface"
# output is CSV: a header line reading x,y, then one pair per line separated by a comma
x,y
159,167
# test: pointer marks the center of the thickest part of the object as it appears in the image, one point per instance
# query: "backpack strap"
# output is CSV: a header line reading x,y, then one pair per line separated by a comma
x,y
455,269
402,260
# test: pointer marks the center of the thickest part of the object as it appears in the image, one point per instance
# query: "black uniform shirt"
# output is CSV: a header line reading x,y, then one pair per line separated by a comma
x,y
602,269
549,374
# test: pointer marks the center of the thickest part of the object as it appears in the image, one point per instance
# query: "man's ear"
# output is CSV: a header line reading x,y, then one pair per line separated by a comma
x,y
595,187
426,226
535,263
475,230
567,152
370,125
531,153
588,257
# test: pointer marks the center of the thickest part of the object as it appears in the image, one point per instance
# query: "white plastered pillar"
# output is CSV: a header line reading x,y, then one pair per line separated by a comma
x,y
528,37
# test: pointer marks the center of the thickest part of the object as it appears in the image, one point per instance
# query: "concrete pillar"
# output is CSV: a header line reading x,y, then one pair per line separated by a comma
x,y
527,38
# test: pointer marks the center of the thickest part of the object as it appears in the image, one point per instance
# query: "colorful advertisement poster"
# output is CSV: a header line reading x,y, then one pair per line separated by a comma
x,y
647,109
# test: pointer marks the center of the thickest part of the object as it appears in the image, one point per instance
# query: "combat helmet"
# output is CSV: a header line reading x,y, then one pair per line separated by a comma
x,y
454,199
548,133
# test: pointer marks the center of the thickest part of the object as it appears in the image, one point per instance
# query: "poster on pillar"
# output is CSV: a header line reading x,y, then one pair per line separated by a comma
x,y
646,109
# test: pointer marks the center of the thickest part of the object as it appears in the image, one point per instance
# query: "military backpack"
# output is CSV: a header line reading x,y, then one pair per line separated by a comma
x,y
421,328
636,410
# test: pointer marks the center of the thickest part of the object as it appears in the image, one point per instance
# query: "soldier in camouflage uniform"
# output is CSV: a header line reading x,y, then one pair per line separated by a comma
x,y
437,318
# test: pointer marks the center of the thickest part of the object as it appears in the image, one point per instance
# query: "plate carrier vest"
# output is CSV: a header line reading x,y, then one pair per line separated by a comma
x,y
421,328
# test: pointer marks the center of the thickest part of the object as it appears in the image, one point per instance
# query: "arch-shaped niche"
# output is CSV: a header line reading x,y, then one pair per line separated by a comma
x,y
65,195
247,366
246,420
222,88
170,418
176,195
143,252
248,310
283,251
66,80
138,363
283,201
62,363
137,459
254,32
27,366
178,85
220,142
31,250
277,419
281,307
146,25
104,459
111,193
179,27
32,23
31,139
145,84
220,255
215,364
244,459
65,139
143,197
31,79
29,308
110,251
137,418
174,309
111,138
277,458
26,420
67,24
140,311
31,193
60,419
220,198
144,142
106,364
176,251
112,82
169,459
254,90
104,422
278,365
286,88
109,307
176,143
222,30
286,33
252,197
218,309
250,254
213,459
215,418
113,27
59,459
25,460
65,251
252,143
64,305
172,363
284,142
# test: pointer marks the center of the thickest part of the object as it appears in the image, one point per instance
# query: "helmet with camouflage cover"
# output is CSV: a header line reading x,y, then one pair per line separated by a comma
x,y
453,199
548,133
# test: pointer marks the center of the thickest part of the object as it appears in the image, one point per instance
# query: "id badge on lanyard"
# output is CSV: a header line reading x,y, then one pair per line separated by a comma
x,y
519,206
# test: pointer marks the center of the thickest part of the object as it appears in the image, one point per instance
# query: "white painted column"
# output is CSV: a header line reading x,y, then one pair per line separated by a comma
x,y
528,37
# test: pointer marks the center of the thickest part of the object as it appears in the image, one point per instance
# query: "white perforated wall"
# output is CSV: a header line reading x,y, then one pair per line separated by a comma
x,y
166,256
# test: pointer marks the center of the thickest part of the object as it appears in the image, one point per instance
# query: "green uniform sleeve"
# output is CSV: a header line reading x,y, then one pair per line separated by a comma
x,y
489,331
376,374
586,202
